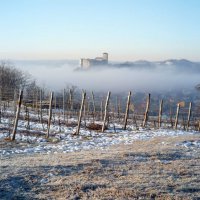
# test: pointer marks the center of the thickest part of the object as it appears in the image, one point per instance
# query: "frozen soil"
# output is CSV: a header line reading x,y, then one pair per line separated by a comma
x,y
165,167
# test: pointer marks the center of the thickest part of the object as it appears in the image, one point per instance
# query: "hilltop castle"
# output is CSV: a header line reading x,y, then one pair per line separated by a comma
x,y
86,63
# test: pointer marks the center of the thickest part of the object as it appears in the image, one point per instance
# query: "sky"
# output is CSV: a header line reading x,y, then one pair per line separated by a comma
x,y
127,29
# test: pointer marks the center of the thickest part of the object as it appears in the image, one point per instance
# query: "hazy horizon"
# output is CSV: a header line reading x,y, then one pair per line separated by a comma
x,y
48,33
57,75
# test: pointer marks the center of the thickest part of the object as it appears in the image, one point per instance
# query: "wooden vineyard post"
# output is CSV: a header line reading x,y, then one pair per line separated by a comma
x,y
113,112
160,113
199,126
84,111
50,114
17,115
177,115
64,104
189,116
0,107
86,104
14,102
101,114
135,121
106,111
170,113
118,109
55,101
117,113
127,110
54,114
94,108
71,100
80,113
41,106
147,110
36,101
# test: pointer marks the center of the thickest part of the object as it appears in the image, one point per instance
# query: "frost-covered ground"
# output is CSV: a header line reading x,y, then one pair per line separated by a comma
x,y
117,164
62,139
155,168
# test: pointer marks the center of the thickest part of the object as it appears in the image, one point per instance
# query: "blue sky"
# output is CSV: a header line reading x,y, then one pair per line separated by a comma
x,y
126,29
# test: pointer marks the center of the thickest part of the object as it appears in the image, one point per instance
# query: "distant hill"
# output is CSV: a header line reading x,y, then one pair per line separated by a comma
x,y
181,65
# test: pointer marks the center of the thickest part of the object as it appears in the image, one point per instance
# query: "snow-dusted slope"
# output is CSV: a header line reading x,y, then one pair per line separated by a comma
x,y
65,141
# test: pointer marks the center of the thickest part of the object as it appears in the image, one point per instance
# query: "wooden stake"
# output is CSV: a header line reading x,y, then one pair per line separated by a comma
x,y
127,110
177,114
27,118
171,121
189,116
80,113
135,121
0,107
36,101
160,113
50,114
183,122
113,112
101,110
71,99
118,110
88,109
41,106
84,111
147,110
17,114
93,103
64,104
15,99
106,111
199,126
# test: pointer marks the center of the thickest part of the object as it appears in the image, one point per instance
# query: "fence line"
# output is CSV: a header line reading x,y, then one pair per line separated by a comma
x,y
60,110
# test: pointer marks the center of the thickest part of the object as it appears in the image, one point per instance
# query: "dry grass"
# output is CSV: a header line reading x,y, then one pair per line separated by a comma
x,y
154,169
95,127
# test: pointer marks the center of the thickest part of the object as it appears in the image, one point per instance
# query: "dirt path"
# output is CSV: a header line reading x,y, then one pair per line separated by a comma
x,y
154,169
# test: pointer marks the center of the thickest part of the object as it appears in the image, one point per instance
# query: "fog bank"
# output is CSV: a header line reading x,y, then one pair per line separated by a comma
x,y
56,75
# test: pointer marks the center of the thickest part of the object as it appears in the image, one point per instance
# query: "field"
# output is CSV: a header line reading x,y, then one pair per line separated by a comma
x,y
159,168
133,163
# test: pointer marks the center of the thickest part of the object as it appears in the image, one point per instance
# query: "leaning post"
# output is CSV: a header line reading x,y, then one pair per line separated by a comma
x,y
189,116
17,114
160,113
80,113
127,110
106,111
177,115
50,114
147,110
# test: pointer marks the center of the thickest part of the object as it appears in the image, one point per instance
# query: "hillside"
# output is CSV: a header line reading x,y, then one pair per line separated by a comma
x,y
159,168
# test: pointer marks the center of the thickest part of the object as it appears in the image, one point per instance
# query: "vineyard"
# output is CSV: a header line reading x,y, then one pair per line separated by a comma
x,y
82,145
45,122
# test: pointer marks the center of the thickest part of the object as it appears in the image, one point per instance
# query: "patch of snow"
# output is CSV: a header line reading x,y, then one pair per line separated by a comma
x,y
190,144
34,141
66,142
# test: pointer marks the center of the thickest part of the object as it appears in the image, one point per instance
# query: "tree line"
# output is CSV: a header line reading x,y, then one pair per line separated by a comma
x,y
12,80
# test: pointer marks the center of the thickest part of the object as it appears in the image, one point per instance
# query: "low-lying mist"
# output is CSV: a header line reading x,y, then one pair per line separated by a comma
x,y
56,75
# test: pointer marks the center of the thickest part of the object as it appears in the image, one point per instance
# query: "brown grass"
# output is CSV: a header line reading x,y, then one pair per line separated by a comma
x,y
154,169
93,126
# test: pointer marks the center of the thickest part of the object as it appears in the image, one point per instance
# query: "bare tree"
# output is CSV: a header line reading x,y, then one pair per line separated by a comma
x,y
11,79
